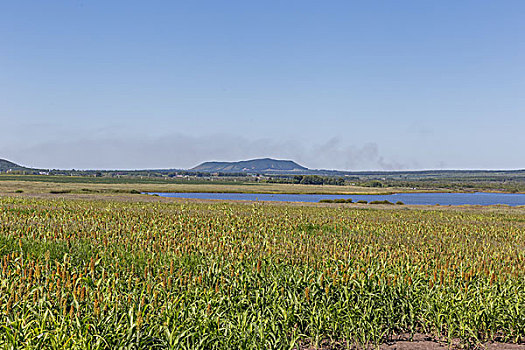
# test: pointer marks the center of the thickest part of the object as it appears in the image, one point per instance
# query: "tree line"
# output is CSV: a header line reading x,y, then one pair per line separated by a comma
x,y
308,180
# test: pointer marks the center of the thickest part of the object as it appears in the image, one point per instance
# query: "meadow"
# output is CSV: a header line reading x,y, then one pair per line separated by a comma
x,y
66,184
103,274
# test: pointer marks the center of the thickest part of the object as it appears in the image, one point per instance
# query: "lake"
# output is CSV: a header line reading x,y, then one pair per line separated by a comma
x,y
479,198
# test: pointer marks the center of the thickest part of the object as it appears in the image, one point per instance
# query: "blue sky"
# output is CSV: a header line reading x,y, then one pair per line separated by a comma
x,y
331,84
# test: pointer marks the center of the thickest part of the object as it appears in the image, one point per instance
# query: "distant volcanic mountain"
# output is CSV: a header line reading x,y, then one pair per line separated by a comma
x,y
265,165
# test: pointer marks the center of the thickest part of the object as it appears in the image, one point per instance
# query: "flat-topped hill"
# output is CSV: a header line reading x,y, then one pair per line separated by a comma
x,y
254,165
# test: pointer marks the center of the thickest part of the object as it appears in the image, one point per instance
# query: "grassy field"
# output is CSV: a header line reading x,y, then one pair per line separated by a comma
x,y
137,179
93,274
90,184
11,186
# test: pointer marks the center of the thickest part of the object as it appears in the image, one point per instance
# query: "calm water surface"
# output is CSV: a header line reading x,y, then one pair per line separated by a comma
x,y
480,198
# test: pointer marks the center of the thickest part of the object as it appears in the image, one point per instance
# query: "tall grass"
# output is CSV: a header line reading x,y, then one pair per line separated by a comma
x,y
99,275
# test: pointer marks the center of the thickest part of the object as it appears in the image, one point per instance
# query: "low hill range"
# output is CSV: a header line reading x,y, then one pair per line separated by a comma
x,y
260,166
265,165
268,166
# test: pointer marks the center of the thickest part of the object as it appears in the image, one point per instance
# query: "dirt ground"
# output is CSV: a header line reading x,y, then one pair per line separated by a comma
x,y
418,342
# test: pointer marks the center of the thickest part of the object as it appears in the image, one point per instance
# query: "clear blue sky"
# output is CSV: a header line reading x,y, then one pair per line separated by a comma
x,y
331,84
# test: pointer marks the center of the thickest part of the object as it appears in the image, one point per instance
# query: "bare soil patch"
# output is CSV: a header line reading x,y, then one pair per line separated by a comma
x,y
406,342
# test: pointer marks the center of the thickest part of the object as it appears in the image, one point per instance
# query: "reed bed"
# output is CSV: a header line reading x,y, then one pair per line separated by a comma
x,y
83,274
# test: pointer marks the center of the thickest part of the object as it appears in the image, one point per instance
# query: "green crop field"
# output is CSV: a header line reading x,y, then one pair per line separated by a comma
x,y
104,274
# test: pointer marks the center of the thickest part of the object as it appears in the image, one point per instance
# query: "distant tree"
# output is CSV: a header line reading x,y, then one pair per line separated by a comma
x,y
374,183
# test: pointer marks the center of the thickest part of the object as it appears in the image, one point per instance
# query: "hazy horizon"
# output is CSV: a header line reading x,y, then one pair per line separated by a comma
x,y
225,161
408,85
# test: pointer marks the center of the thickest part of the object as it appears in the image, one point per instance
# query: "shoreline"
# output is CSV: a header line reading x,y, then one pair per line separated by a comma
x,y
387,193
